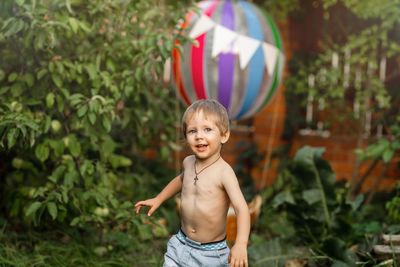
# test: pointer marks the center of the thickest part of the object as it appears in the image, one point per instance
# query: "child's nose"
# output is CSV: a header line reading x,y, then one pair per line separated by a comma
x,y
199,134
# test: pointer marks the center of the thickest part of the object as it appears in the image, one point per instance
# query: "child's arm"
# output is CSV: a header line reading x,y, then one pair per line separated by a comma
x,y
238,256
170,190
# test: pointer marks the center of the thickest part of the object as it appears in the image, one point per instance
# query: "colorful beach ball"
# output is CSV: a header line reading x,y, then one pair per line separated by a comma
x,y
236,57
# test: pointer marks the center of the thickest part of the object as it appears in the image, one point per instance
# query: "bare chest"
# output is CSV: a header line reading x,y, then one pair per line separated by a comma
x,y
206,187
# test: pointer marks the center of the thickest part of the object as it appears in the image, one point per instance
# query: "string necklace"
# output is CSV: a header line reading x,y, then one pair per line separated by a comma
x,y
197,173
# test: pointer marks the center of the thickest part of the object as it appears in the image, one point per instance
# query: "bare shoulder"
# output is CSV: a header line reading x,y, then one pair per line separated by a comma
x,y
188,160
227,171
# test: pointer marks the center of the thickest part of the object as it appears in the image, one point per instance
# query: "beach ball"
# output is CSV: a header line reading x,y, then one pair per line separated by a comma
x,y
235,57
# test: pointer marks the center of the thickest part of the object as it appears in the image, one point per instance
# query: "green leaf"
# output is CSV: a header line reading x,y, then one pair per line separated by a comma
x,y
283,197
145,232
95,106
110,65
29,79
387,155
74,146
2,75
42,152
92,118
75,221
17,89
108,146
117,161
312,196
100,251
127,205
15,27
41,73
86,168
339,264
106,124
52,208
4,90
74,23
307,154
374,151
31,210
92,71
50,100
12,137
70,178
160,231
57,80
84,27
20,2
82,111
60,66
57,174
64,193
57,146
75,101
357,202
396,145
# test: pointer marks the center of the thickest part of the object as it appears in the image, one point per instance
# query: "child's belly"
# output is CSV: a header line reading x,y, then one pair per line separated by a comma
x,y
204,219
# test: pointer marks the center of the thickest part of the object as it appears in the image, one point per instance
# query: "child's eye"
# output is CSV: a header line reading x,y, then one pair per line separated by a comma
x,y
208,129
191,131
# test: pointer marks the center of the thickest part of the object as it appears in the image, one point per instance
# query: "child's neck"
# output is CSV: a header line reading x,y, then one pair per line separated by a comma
x,y
209,159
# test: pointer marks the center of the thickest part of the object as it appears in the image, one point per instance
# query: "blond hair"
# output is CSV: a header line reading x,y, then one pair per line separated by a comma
x,y
209,107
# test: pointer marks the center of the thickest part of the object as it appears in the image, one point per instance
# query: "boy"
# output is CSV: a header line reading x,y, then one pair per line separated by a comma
x,y
208,185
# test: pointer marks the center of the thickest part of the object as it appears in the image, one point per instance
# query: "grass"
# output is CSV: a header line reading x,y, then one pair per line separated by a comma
x,y
33,251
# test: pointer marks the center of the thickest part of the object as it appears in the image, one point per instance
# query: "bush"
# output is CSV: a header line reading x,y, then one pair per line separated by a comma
x,y
82,98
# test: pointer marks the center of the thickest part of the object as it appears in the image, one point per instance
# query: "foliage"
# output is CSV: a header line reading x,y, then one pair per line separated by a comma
x,y
362,49
323,219
383,149
53,249
274,252
373,42
363,81
393,207
306,218
82,98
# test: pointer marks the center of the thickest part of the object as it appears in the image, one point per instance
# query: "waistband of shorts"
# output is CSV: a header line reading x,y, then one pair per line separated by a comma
x,y
216,245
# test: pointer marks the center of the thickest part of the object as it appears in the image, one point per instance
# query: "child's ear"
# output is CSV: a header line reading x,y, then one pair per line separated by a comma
x,y
225,137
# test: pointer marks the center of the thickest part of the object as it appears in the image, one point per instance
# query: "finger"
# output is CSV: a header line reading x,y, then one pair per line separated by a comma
x,y
137,209
151,210
138,203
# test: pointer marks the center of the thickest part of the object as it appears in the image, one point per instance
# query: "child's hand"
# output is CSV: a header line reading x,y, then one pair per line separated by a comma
x,y
153,203
238,256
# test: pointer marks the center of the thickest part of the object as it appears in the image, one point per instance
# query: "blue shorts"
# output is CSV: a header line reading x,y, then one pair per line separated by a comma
x,y
185,252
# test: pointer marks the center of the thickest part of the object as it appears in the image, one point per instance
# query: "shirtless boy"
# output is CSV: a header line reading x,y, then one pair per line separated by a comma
x,y
208,185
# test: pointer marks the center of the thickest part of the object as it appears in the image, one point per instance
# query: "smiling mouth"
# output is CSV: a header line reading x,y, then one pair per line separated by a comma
x,y
201,146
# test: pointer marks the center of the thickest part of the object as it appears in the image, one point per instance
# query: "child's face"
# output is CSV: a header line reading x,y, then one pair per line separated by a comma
x,y
203,135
